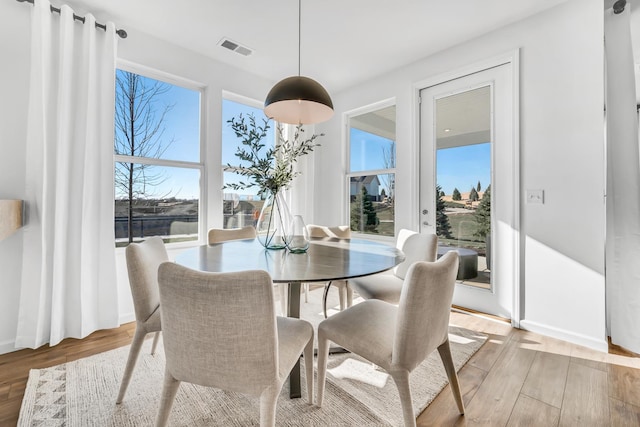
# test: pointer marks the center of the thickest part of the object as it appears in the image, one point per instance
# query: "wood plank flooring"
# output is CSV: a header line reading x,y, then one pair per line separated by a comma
x,y
516,379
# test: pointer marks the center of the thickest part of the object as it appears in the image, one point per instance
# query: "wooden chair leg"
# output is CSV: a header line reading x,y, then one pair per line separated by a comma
x,y
445,354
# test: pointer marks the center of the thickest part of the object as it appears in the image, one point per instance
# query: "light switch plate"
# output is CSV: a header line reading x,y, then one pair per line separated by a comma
x,y
535,196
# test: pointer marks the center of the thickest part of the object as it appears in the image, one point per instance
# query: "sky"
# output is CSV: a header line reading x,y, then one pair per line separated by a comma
x,y
460,167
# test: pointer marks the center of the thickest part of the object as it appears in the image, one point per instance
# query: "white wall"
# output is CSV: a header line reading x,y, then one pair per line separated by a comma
x,y
140,49
561,151
14,80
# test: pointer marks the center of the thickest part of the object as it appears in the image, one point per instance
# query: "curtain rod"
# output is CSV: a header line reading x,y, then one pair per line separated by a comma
x,y
121,33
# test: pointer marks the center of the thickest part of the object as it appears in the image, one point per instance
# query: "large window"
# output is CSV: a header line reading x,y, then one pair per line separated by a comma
x,y
371,175
240,207
156,159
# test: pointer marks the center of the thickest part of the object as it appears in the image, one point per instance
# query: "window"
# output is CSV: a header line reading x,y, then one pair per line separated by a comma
x,y
371,175
240,207
156,159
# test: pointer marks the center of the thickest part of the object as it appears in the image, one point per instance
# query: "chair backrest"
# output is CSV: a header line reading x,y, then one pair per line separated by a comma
x,y
424,309
143,260
416,247
217,235
219,329
339,231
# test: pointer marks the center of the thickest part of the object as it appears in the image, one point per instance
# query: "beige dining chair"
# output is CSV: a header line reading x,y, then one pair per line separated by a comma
x,y
345,293
221,330
219,235
399,338
143,260
386,286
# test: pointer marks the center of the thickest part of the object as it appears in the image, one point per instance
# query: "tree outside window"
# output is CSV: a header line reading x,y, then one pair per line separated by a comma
x,y
157,159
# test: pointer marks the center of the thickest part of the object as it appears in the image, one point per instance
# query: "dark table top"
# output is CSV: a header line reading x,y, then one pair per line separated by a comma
x,y
326,259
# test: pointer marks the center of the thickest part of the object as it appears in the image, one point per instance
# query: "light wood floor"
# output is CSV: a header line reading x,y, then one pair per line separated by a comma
x,y
516,379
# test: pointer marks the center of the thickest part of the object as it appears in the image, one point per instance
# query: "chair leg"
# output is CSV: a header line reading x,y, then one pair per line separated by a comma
x,y
283,298
349,293
324,298
156,338
268,403
445,354
342,293
401,378
134,351
308,366
323,355
169,390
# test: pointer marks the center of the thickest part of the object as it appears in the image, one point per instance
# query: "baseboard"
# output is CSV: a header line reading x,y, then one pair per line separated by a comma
x,y
8,347
572,337
126,318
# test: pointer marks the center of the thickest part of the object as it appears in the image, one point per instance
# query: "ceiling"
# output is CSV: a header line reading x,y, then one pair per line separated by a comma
x,y
343,42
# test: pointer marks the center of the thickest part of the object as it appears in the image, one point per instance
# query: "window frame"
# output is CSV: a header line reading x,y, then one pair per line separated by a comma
x,y
183,164
347,116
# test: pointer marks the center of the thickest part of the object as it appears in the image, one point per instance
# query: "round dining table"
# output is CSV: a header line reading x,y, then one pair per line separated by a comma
x,y
327,259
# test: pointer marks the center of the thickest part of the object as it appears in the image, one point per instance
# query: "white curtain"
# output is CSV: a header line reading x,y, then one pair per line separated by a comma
x,y
68,273
623,186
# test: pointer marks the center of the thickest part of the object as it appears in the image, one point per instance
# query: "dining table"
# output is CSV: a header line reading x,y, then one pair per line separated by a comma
x,y
325,260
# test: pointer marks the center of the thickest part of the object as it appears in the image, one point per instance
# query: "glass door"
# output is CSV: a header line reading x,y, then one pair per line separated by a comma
x,y
468,194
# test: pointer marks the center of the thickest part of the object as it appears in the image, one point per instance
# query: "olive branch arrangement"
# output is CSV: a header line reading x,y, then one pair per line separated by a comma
x,y
270,168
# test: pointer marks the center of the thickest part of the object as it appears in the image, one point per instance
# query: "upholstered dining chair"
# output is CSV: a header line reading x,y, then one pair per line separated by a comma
x,y
143,260
220,330
399,338
386,286
345,292
219,235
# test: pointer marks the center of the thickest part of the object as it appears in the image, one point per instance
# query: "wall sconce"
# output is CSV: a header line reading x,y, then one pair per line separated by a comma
x,y
10,217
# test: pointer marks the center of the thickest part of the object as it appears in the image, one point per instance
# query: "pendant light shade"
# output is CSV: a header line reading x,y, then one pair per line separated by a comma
x,y
298,99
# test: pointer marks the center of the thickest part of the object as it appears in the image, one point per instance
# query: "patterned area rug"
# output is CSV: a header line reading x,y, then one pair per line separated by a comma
x,y
82,393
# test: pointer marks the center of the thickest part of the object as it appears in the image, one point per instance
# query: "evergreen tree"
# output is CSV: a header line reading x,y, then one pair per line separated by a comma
x,y
456,195
363,215
473,195
483,215
478,187
443,228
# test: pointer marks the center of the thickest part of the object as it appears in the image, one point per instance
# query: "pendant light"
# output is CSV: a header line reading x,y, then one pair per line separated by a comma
x,y
298,99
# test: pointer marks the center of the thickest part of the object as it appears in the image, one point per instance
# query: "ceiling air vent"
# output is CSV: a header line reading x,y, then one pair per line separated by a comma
x,y
236,47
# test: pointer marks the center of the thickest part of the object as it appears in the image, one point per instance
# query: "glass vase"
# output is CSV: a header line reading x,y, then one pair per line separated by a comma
x,y
274,222
298,237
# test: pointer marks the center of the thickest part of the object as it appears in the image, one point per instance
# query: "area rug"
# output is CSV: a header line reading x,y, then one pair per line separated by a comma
x,y
82,393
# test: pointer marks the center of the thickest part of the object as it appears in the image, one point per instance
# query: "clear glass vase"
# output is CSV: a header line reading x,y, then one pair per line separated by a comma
x,y
298,237
274,222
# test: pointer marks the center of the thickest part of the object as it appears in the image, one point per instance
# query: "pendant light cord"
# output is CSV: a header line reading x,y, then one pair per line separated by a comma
x,y
299,33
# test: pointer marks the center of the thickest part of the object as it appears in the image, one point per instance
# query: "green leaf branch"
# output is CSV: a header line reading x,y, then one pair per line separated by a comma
x,y
268,168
